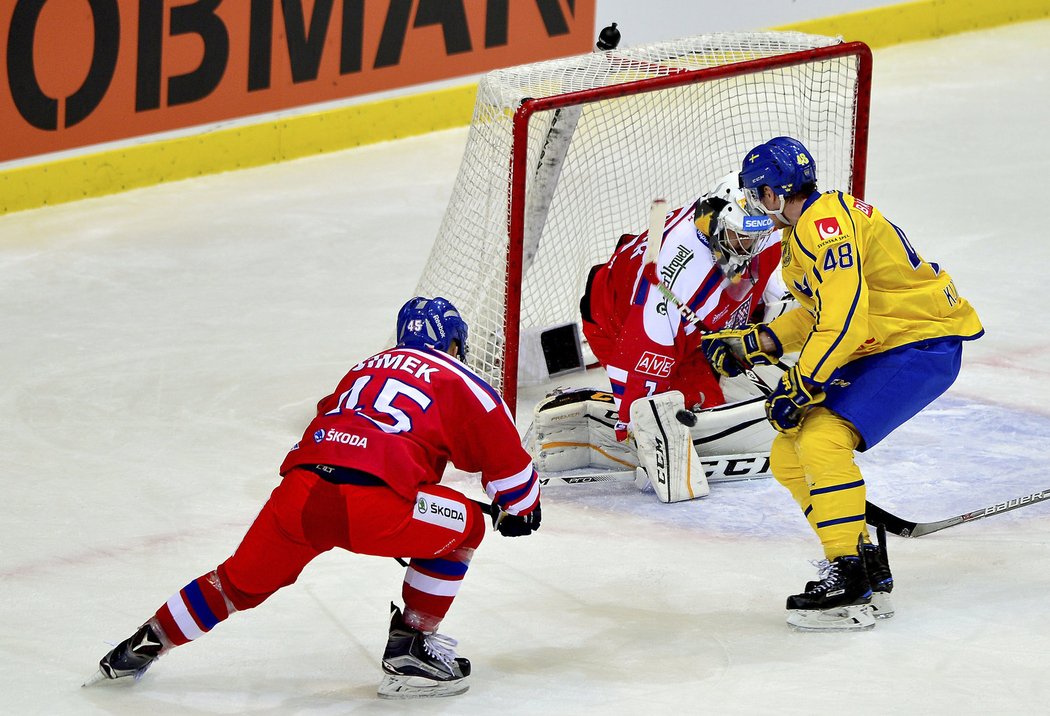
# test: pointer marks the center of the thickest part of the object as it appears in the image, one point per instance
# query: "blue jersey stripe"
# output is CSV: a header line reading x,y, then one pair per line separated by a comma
x,y
712,282
840,521
836,488
444,567
200,606
856,296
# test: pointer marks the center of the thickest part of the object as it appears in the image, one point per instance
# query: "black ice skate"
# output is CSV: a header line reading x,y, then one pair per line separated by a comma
x,y
130,657
839,600
419,665
877,564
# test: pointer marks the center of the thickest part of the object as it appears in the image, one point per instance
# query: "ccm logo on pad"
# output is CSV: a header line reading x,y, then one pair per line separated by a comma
x,y
828,228
655,365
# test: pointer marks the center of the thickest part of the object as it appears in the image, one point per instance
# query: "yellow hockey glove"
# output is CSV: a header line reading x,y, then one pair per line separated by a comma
x,y
789,401
731,350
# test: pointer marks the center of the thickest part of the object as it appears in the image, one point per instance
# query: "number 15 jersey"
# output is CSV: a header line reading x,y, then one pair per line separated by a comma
x,y
405,413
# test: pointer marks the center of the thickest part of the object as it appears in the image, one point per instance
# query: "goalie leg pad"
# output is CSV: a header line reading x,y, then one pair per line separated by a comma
x,y
733,429
576,429
665,448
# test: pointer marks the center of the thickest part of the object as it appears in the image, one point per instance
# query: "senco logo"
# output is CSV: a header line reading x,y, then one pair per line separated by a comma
x,y
655,365
754,224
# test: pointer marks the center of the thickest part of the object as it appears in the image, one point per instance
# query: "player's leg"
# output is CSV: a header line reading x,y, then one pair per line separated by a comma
x,y
876,395
820,456
271,555
439,530
787,469
837,494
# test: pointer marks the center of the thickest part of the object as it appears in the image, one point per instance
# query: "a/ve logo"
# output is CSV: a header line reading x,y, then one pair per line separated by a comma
x,y
136,66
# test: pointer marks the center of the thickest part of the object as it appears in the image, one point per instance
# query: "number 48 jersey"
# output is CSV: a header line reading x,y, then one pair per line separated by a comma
x,y
862,287
403,414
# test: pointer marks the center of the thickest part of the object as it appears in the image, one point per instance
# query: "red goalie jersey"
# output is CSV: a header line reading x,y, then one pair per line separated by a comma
x,y
403,414
645,344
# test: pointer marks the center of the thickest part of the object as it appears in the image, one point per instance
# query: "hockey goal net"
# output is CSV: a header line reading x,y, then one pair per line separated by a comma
x,y
564,156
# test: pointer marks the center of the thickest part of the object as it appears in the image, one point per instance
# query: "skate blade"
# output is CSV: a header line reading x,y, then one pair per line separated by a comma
x,y
857,617
882,605
418,687
95,678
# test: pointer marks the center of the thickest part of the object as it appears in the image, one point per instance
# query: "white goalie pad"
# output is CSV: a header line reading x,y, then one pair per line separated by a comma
x,y
572,441
733,429
665,447
576,429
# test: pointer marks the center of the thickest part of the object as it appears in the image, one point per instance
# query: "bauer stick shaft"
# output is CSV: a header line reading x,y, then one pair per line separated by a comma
x,y
906,528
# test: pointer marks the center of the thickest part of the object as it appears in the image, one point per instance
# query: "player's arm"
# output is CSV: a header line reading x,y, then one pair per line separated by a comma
x,y
792,328
489,443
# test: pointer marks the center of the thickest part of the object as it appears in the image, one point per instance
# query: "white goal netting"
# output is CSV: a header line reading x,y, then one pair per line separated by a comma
x,y
588,171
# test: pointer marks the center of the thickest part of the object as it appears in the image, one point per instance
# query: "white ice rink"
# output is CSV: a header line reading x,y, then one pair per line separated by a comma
x,y
162,349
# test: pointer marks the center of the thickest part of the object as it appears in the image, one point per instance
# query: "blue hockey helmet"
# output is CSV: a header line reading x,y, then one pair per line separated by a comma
x,y
431,323
782,164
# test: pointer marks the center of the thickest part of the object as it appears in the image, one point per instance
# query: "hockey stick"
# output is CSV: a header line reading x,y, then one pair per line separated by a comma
x,y
875,515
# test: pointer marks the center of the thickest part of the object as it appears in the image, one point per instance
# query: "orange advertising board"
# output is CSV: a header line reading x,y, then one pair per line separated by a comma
x,y
81,72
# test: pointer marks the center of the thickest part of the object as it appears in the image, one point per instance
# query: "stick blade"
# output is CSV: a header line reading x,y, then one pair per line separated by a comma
x,y
657,221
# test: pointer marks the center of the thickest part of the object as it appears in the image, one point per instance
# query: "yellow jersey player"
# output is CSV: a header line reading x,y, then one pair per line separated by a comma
x,y
879,336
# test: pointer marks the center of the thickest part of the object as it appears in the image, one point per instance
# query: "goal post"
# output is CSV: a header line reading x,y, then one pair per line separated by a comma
x,y
565,156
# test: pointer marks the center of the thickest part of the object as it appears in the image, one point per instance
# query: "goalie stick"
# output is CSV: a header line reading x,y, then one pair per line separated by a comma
x,y
875,515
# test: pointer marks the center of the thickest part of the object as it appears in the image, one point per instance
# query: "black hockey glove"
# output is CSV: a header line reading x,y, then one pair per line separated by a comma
x,y
510,525
730,350
790,400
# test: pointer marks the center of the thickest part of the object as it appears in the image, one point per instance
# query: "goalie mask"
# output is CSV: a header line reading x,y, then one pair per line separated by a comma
x,y
733,233
431,323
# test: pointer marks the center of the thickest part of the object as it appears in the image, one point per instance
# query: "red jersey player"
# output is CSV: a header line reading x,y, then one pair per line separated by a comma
x,y
365,477
719,260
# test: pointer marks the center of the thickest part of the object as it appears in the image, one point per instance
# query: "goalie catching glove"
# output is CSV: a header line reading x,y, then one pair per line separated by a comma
x,y
510,525
789,401
731,350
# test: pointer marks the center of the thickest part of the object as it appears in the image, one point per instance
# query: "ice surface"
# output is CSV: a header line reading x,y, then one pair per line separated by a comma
x,y
163,348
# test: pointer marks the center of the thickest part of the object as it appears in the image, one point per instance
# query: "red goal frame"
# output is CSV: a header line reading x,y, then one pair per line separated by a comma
x,y
529,107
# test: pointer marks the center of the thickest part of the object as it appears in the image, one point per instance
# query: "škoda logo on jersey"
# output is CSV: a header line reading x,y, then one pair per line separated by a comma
x,y
440,511
655,365
338,436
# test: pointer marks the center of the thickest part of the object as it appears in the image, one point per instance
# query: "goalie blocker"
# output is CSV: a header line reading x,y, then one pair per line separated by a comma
x,y
573,442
